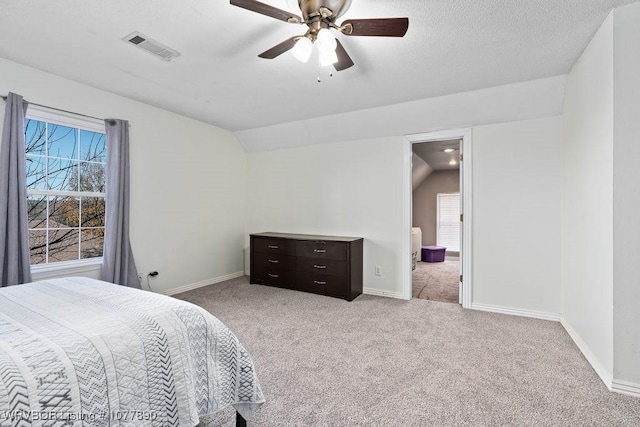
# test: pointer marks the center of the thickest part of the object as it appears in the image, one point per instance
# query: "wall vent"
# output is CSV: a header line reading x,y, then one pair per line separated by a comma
x,y
152,46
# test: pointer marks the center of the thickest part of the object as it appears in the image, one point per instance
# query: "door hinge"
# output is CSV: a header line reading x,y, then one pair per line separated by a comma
x,y
461,278
461,157
461,218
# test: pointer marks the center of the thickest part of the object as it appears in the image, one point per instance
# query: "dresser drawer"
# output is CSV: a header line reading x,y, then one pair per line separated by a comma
x,y
273,277
273,261
322,266
322,284
322,250
272,246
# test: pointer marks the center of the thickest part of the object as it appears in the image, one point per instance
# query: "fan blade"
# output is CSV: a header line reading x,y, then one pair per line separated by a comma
x,y
385,27
279,49
265,9
344,61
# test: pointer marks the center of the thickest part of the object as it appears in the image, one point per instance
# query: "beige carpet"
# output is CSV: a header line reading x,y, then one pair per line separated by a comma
x,y
437,281
386,362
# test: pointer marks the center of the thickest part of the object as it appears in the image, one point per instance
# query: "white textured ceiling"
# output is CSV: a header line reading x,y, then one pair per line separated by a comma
x,y
451,46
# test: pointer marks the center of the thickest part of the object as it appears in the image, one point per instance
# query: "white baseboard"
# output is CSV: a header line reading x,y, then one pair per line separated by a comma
x,y
516,311
626,387
603,373
203,283
379,293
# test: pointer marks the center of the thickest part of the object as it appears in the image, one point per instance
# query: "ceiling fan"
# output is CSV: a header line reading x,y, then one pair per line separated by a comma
x,y
320,16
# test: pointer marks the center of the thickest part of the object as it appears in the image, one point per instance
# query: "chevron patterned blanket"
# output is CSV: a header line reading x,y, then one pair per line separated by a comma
x,y
78,351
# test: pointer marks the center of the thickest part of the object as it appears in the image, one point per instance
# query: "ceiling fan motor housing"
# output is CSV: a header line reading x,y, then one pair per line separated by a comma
x,y
311,8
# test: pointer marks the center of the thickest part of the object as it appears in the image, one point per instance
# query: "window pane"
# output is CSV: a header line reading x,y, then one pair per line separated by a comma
x,y
92,177
37,211
63,175
38,246
63,244
61,161
92,146
92,241
93,211
64,212
35,137
63,142
36,173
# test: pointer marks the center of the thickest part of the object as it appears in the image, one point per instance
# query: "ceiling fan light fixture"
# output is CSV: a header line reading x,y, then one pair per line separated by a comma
x,y
302,49
327,47
326,40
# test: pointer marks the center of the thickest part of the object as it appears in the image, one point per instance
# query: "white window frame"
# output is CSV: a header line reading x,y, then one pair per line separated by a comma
x,y
81,266
438,221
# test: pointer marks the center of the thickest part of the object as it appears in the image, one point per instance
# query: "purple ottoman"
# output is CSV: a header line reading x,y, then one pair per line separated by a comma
x,y
433,253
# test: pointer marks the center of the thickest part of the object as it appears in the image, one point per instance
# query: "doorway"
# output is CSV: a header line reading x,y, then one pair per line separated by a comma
x,y
436,223
435,232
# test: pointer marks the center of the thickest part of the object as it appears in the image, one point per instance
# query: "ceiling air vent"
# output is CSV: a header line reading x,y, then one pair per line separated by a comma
x,y
152,46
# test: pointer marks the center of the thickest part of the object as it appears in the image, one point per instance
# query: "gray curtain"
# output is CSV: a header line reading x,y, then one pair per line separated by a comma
x,y
15,266
118,265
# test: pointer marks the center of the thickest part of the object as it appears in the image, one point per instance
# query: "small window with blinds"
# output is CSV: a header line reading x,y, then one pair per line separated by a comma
x,y
448,221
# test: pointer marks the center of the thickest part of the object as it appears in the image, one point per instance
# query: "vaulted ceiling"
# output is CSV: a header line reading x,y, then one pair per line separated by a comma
x,y
451,46
434,154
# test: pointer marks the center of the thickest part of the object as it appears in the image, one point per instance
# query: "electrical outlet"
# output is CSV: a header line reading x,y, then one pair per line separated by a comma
x,y
378,270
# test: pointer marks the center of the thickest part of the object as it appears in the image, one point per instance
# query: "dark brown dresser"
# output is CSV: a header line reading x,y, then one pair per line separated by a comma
x,y
326,265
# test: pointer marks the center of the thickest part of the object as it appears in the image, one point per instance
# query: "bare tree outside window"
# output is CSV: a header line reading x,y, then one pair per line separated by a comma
x,y
66,181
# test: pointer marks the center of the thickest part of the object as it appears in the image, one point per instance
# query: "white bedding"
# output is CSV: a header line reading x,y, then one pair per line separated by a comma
x,y
79,351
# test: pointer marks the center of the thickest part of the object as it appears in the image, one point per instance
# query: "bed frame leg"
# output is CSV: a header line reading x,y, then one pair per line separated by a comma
x,y
240,422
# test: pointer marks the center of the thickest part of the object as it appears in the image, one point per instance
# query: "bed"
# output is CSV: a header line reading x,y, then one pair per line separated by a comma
x,y
78,351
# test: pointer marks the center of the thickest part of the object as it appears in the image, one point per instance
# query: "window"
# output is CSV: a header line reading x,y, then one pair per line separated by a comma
x,y
66,180
448,230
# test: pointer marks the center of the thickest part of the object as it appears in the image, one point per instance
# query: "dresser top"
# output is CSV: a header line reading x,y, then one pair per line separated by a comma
x,y
307,237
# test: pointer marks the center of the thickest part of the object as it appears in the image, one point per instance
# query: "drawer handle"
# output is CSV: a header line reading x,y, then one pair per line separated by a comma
x,y
275,276
319,267
273,246
274,261
318,282
320,251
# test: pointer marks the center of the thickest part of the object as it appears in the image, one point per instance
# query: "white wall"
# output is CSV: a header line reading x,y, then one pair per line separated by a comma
x,y
354,188
349,188
626,197
587,203
516,215
188,179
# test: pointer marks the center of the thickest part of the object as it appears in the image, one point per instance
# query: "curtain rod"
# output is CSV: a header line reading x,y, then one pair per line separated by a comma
x,y
4,97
